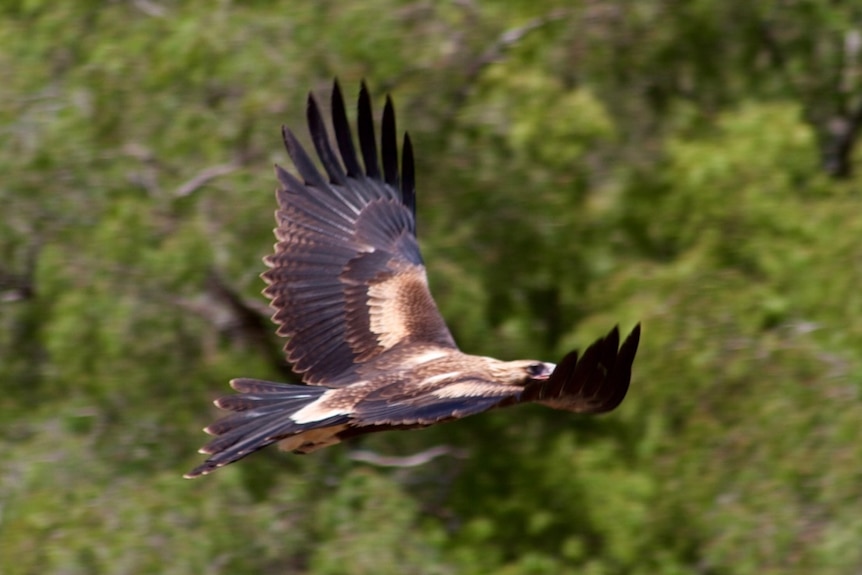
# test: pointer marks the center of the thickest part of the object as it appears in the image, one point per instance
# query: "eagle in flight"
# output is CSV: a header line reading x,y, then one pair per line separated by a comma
x,y
350,294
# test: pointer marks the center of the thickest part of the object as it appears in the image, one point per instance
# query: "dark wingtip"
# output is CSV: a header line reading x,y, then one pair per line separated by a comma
x,y
408,178
282,175
286,137
634,336
320,138
596,382
343,135
367,142
620,375
301,160
389,144
286,182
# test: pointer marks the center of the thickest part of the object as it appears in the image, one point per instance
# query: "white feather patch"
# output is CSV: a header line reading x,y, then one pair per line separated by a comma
x,y
427,356
472,389
431,380
318,410
385,311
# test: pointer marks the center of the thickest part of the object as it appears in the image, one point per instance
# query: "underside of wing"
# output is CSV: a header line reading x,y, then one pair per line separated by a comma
x,y
456,400
429,409
595,382
347,279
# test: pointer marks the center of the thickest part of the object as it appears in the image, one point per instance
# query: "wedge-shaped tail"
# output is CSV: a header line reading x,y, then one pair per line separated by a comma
x,y
263,415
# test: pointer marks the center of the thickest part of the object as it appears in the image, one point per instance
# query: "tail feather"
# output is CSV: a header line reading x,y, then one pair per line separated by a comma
x,y
254,431
263,411
256,395
243,418
259,386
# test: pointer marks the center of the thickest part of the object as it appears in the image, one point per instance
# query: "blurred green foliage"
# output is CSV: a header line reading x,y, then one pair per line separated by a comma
x,y
579,164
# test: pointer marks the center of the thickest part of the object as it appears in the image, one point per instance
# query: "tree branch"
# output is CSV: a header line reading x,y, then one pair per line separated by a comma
x,y
841,134
21,286
204,177
496,51
241,321
414,460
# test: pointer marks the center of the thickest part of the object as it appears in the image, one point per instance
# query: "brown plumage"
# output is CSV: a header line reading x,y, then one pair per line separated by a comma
x,y
351,296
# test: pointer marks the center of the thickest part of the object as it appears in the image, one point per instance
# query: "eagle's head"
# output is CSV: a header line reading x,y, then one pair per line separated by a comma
x,y
521,372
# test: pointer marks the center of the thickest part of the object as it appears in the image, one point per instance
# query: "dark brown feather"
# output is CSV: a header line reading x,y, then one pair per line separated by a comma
x,y
343,135
408,180
367,141
596,382
389,146
321,143
346,279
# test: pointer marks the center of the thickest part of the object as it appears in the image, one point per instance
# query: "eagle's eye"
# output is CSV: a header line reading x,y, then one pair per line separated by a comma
x,y
537,370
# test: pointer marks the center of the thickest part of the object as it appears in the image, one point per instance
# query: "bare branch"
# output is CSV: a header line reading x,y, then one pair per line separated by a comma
x,y
204,177
475,65
509,38
20,286
776,54
841,134
246,322
414,460
150,8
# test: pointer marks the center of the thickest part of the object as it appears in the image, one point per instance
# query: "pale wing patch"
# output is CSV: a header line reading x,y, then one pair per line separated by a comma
x,y
426,356
434,379
472,389
391,304
320,409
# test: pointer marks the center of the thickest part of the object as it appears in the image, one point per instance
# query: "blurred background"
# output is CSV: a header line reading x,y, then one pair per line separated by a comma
x,y
693,166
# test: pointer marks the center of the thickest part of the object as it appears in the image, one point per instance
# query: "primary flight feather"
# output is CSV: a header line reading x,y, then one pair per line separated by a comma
x,y
350,294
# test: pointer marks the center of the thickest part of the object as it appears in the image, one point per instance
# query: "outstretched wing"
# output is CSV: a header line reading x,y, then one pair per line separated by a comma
x,y
347,279
595,382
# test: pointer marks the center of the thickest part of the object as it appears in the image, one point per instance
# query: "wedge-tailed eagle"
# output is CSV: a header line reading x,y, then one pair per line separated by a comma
x,y
351,296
